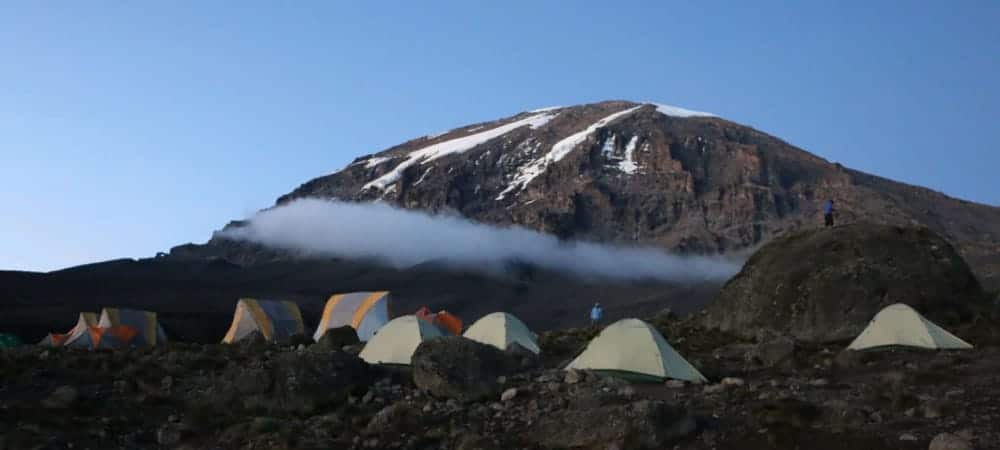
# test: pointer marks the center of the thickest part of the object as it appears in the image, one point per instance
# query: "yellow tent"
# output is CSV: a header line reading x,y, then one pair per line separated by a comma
x,y
634,349
277,321
500,329
397,340
899,324
149,330
366,312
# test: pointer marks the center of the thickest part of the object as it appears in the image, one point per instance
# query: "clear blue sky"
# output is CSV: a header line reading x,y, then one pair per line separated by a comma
x,y
129,127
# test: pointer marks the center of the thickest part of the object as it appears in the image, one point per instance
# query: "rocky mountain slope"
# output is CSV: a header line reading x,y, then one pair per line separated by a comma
x,y
621,171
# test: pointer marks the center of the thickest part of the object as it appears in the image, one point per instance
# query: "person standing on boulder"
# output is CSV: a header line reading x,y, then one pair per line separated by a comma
x,y
828,213
596,313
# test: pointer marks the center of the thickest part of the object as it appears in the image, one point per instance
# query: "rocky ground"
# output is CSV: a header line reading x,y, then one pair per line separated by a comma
x,y
774,394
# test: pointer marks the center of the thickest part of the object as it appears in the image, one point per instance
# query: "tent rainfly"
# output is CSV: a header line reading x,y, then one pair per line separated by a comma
x,y
277,321
115,336
82,327
445,321
633,349
500,330
149,330
901,325
366,312
79,336
397,340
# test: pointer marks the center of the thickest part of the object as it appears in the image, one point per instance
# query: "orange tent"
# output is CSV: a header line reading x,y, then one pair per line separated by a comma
x,y
449,322
444,320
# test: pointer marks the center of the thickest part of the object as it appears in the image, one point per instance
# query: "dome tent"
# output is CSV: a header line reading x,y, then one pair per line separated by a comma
x,y
277,321
901,325
500,330
397,340
366,312
144,322
633,349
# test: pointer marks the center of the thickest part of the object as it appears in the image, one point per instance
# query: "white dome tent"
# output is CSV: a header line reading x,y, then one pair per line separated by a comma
x,y
500,330
901,325
634,349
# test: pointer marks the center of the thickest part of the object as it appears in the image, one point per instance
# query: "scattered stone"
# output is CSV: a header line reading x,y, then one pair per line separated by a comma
x,y
168,435
819,382
64,397
645,424
675,384
732,381
948,441
167,383
774,352
508,395
907,437
714,388
573,376
396,418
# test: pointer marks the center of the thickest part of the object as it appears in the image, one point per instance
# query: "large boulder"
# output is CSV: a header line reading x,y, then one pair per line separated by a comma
x,y
644,424
826,284
336,339
460,368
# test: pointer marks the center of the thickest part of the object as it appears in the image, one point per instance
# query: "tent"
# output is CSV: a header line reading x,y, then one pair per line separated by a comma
x,y
149,330
115,336
634,349
80,331
53,340
366,312
397,340
899,324
500,329
9,340
277,321
444,320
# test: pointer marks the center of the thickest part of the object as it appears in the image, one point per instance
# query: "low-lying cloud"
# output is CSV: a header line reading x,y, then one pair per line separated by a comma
x,y
403,238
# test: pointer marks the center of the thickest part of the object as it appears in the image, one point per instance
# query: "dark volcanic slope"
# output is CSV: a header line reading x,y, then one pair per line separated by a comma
x,y
195,299
623,171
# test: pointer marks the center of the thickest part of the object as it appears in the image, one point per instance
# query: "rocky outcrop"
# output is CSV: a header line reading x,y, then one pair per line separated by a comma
x,y
459,368
826,284
336,339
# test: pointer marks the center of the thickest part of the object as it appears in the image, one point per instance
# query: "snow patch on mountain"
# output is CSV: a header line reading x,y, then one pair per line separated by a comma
x,y
529,171
679,112
628,165
455,146
374,161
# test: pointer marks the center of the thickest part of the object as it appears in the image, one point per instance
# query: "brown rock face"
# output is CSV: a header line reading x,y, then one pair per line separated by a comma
x,y
689,184
826,284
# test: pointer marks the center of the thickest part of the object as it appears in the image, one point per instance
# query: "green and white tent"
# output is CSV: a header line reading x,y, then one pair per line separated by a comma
x,y
633,349
901,325
397,340
500,330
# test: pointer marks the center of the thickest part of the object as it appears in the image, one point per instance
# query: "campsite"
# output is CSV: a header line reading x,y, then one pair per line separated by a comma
x,y
586,225
370,373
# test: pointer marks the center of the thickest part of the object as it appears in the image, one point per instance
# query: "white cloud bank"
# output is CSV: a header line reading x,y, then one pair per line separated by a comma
x,y
402,238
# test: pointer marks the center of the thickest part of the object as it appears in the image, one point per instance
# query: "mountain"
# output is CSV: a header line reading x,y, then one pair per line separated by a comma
x,y
628,172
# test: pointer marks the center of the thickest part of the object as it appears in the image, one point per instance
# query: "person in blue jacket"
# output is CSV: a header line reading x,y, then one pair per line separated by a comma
x,y
828,213
596,313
